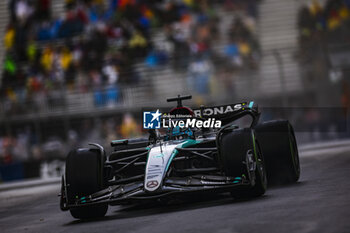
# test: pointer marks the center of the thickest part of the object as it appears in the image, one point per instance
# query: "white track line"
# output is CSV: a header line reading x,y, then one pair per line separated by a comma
x,y
324,151
324,145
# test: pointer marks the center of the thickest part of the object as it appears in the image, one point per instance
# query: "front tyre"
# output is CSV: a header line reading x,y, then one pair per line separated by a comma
x,y
260,181
240,154
84,177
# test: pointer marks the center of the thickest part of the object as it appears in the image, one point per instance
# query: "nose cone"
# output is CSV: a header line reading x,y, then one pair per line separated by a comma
x,y
158,159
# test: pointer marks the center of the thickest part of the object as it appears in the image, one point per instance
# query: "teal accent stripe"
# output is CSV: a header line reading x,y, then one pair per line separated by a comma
x,y
175,152
187,143
119,140
251,104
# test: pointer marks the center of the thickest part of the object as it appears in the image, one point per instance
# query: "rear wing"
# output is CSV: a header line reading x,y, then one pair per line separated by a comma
x,y
225,113
230,112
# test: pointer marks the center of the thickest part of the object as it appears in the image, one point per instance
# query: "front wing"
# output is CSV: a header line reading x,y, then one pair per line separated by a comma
x,y
118,194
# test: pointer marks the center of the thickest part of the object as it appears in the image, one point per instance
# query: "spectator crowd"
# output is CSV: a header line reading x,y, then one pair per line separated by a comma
x,y
93,45
324,48
321,25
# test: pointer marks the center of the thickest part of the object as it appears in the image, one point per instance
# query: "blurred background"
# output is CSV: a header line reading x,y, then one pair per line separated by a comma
x,y
79,71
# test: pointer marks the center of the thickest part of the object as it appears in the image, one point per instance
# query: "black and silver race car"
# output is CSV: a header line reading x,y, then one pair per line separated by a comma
x,y
238,160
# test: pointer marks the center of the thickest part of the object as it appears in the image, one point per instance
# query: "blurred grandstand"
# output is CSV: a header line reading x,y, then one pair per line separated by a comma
x,y
76,71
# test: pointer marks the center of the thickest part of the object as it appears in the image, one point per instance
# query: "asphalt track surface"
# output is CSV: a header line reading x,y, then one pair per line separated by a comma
x,y
320,202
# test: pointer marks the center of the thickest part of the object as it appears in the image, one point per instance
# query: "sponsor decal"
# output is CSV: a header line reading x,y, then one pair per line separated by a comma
x,y
152,184
154,171
222,110
212,182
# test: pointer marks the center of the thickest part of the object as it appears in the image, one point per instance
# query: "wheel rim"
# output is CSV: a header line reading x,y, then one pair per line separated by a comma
x,y
261,165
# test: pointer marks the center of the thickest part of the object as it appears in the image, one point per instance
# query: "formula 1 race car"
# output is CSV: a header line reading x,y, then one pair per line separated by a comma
x,y
238,160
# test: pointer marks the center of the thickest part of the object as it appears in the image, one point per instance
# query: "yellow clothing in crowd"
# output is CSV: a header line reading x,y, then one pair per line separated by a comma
x,y
344,12
188,2
244,48
66,59
47,59
315,7
9,38
129,127
31,50
137,40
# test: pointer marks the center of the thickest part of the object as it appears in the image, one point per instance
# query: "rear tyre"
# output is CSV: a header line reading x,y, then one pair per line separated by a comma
x,y
239,150
84,177
280,149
